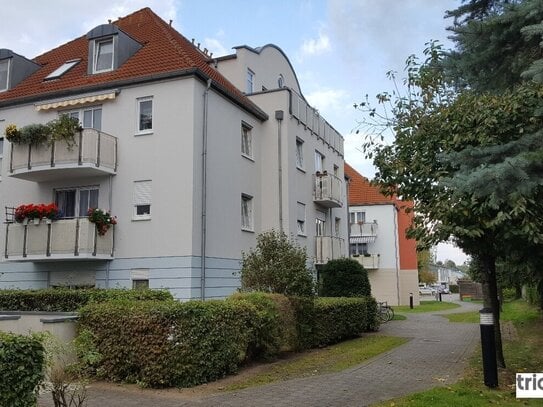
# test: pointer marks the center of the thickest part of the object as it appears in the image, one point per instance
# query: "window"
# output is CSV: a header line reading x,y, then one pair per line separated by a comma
x,y
140,279
336,170
358,249
281,81
246,140
250,81
301,218
1,153
145,115
76,202
90,118
246,212
337,226
320,223
103,56
4,74
142,200
299,154
357,217
61,70
319,162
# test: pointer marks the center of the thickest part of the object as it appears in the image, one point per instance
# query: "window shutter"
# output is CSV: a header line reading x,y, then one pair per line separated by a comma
x,y
142,192
301,211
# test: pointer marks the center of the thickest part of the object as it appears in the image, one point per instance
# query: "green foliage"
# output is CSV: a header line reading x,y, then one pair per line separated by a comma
x,y
344,278
337,319
275,326
453,288
35,134
22,361
64,129
276,265
304,313
162,344
67,300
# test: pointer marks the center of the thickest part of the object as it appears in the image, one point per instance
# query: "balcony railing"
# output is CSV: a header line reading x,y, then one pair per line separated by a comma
x,y
363,232
63,239
369,261
328,248
327,190
94,153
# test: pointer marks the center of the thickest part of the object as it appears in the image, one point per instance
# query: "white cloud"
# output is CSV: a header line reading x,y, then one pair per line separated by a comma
x,y
326,100
316,46
216,47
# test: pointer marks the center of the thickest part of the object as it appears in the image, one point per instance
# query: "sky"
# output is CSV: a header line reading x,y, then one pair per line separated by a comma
x,y
340,49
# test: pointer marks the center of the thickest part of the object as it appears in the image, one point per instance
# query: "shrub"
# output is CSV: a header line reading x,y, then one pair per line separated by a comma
x,y
276,265
275,328
22,360
162,344
304,313
337,319
453,288
67,300
344,278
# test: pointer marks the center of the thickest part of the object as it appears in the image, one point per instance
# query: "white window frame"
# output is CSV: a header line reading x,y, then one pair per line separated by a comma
x,y
247,219
337,227
77,203
250,81
319,162
300,154
358,249
80,115
142,197
246,140
281,81
97,44
300,219
61,70
357,217
2,145
7,61
139,101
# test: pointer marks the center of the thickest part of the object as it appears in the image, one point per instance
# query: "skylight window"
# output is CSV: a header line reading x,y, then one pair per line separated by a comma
x,y
61,70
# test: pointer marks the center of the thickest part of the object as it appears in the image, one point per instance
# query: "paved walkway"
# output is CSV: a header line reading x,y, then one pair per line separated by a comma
x,y
436,354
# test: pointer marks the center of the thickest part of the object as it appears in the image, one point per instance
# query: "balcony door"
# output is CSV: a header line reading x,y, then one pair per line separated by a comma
x,y
90,118
75,202
320,224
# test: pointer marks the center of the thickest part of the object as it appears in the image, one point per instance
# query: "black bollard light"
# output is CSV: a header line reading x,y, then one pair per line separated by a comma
x,y
440,299
488,346
411,300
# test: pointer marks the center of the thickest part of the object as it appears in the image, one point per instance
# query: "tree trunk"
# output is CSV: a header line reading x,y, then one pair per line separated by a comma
x,y
518,291
489,263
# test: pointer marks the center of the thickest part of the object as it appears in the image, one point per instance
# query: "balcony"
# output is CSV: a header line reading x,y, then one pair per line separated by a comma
x,y
363,232
369,261
328,248
94,153
327,190
64,239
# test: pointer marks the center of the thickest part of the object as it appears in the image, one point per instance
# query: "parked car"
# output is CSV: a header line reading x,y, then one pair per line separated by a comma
x,y
427,291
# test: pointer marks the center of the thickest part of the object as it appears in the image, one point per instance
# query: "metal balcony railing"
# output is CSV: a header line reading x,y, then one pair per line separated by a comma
x,y
327,190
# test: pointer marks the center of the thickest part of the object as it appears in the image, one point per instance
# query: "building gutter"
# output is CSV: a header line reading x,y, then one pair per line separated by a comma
x,y
204,195
396,251
279,117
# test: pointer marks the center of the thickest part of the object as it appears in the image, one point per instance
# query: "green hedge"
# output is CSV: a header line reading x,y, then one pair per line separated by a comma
x,y
67,300
22,360
453,288
344,278
162,344
275,327
337,319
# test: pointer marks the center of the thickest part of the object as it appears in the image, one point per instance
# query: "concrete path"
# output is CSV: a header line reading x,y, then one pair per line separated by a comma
x,y
435,355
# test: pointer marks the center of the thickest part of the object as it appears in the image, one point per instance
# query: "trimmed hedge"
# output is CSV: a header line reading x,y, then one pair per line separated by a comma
x,y
275,327
22,360
161,344
344,278
337,319
68,300
453,288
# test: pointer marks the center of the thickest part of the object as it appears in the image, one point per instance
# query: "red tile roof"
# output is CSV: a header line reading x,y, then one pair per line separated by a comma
x,y
361,192
164,51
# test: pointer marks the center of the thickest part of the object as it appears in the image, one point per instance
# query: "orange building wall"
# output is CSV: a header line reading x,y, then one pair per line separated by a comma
x,y
408,247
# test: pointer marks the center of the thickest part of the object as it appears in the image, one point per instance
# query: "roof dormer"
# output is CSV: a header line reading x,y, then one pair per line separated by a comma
x,y
14,68
109,48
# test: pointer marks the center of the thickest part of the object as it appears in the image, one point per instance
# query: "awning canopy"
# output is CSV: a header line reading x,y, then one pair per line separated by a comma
x,y
362,239
100,97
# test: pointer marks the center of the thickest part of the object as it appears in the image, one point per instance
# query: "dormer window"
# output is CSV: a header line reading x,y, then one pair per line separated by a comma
x,y
103,55
4,72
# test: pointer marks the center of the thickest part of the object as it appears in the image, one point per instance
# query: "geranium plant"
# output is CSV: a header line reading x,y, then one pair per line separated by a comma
x,y
102,219
36,211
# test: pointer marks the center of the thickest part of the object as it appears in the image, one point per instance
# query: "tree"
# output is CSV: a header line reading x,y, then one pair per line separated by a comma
x,y
424,259
276,265
344,278
436,129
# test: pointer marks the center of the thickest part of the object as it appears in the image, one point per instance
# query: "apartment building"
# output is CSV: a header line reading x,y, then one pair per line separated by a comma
x,y
194,155
378,241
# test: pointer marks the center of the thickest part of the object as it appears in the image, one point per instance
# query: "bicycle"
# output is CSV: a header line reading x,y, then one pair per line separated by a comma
x,y
385,312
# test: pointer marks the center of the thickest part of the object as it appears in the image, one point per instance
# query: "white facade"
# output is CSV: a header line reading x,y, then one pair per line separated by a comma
x,y
252,184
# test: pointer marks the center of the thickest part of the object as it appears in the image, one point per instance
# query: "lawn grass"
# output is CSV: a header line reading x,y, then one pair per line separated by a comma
x,y
427,306
519,312
327,360
522,354
399,317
